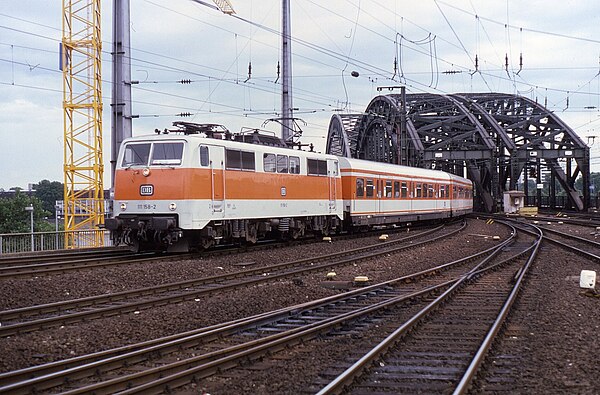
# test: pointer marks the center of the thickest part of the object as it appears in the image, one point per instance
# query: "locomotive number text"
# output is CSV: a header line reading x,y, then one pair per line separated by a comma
x,y
146,206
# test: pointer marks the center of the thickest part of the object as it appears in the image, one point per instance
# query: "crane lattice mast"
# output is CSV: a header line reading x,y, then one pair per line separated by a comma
x,y
82,104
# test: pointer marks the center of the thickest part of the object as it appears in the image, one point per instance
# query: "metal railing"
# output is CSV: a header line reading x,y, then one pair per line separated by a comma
x,y
11,243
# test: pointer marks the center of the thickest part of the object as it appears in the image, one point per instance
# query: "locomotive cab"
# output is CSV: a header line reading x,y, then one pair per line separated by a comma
x,y
177,193
145,197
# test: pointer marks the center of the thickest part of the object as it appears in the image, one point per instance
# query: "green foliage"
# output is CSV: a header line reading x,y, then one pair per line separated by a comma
x,y
15,219
49,192
594,181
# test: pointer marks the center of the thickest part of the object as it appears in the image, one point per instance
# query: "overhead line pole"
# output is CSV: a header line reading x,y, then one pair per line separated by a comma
x,y
287,114
121,124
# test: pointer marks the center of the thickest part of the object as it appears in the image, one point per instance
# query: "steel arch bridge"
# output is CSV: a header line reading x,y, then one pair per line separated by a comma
x,y
500,141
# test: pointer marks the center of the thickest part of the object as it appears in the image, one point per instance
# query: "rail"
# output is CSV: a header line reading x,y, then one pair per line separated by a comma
x,y
14,243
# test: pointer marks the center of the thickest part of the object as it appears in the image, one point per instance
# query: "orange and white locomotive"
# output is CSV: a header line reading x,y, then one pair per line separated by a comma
x,y
189,191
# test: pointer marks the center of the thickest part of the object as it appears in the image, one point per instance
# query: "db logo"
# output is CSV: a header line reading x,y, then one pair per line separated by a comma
x,y
147,190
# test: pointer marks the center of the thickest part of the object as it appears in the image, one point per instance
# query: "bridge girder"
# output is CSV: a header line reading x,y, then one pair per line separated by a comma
x,y
493,138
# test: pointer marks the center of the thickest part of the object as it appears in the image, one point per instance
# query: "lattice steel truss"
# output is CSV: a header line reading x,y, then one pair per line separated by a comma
x,y
82,105
499,141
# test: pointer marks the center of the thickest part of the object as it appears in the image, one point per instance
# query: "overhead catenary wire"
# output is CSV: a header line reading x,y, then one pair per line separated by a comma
x,y
417,86
460,41
200,74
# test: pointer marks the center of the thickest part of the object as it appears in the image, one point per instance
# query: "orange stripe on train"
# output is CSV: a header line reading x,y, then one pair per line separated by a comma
x,y
178,184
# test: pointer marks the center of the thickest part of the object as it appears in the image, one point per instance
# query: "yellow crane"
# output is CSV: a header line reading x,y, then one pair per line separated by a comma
x,y
82,111
81,64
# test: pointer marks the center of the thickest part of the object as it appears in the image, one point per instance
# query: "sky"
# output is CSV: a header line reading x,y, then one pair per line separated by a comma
x,y
434,44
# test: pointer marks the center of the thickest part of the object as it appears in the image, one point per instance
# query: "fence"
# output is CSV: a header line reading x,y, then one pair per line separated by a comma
x,y
46,241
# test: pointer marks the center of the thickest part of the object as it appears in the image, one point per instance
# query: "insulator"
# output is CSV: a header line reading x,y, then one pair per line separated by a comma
x,y
185,114
185,81
521,60
249,71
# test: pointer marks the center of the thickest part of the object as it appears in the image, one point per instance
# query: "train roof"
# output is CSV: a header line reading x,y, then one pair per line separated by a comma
x,y
249,145
380,167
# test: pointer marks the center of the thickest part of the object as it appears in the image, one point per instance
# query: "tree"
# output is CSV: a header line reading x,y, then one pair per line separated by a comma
x,y
15,219
49,192
594,184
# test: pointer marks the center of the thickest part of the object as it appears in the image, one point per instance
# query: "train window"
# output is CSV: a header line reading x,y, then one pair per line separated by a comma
x,y
269,163
136,155
418,190
431,191
317,167
239,160
167,154
313,166
360,187
441,191
323,167
294,165
369,187
204,158
233,159
447,195
282,164
388,189
396,189
248,161
334,169
404,193
454,192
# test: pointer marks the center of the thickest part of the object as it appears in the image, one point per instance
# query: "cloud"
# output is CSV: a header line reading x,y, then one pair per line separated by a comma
x,y
181,39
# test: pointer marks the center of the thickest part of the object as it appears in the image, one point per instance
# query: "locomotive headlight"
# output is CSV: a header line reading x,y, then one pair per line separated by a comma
x,y
123,206
146,172
172,206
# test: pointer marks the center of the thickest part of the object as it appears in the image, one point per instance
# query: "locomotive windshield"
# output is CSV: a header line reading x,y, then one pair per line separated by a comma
x,y
136,155
167,154
139,154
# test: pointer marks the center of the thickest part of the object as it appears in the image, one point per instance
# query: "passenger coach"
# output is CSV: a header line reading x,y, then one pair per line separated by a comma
x,y
379,193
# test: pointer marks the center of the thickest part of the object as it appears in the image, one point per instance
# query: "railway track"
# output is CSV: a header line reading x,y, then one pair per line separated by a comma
x,y
150,368
589,222
38,317
440,349
76,264
30,265
588,248
61,255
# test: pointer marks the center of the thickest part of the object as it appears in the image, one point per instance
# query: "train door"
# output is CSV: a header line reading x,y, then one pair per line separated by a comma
x,y
332,175
379,195
217,169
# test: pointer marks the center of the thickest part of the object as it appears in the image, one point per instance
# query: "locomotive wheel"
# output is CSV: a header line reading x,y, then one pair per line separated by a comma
x,y
295,233
207,243
135,246
252,233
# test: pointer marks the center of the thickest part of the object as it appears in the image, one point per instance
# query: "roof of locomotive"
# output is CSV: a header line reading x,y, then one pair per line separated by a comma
x,y
199,138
